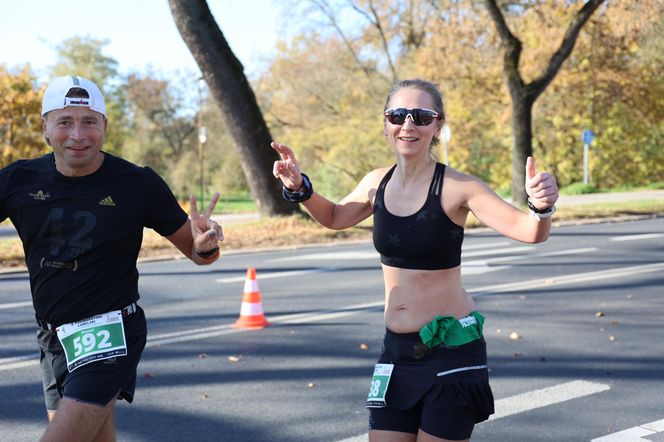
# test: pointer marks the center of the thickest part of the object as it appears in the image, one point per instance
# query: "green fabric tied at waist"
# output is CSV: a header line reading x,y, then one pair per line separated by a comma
x,y
451,331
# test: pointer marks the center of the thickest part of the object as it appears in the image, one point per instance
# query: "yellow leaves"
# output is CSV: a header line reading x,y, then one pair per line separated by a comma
x,y
327,107
633,47
20,123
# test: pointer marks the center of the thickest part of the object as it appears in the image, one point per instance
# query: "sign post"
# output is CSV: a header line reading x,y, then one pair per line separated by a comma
x,y
445,135
588,137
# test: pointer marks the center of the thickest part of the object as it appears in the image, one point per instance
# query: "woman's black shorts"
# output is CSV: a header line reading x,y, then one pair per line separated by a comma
x,y
97,382
444,391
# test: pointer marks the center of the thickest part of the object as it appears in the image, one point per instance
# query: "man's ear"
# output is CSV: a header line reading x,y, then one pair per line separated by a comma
x,y
44,130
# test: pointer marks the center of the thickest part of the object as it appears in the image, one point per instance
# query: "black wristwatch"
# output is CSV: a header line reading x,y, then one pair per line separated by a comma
x,y
532,207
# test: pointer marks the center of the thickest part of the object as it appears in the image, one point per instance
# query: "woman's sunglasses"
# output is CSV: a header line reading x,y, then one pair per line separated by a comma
x,y
421,117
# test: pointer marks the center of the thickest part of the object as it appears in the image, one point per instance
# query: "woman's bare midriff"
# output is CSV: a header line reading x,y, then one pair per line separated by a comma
x,y
414,297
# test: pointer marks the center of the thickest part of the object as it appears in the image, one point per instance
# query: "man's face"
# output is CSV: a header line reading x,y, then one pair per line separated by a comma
x,y
76,135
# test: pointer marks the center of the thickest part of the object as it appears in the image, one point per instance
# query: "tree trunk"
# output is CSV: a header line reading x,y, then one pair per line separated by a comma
x,y
224,75
522,144
524,95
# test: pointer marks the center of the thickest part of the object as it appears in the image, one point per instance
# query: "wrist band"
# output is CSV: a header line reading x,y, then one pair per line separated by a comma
x,y
300,195
532,207
538,214
209,253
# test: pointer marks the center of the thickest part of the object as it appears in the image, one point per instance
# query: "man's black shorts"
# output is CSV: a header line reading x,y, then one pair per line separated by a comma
x,y
97,382
444,391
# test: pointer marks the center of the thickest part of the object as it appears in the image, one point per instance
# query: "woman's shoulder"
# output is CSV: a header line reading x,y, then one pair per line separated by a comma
x,y
374,177
381,171
464,182
458,176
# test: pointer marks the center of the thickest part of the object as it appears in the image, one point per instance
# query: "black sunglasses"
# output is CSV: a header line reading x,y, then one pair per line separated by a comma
x,y
421,117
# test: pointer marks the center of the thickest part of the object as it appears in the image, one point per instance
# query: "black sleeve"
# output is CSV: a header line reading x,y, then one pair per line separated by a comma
x,y
4,180
163,213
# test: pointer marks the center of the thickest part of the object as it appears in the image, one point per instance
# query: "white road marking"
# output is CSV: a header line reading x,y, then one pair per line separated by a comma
x,y
15,305
634,434
544,397
268,275
532,400
497,251
18,362
476,267
637,237
545,254
567,279
330,256
486,245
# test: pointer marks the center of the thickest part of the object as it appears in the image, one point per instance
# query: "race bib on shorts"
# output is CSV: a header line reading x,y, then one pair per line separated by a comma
x,y
93,339
379,382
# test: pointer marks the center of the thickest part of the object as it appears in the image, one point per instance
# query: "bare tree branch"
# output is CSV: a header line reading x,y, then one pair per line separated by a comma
x,y
375,21
566,46
511,44
328,11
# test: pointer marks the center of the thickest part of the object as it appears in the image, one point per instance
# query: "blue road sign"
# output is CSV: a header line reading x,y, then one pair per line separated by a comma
x,y
588,136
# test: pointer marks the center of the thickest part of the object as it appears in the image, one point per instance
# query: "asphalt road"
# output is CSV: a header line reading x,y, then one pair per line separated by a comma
x,y
587,305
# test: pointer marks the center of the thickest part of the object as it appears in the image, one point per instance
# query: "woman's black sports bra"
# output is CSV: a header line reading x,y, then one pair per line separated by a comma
x,y
425,240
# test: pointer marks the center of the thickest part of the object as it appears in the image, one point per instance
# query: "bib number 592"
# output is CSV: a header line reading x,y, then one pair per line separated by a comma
x,y
88,342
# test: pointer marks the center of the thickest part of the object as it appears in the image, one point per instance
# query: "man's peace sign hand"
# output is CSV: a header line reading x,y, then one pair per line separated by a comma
x,y
205,231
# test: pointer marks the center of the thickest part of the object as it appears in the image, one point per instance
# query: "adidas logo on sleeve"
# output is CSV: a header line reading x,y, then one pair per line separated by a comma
x,y
108,201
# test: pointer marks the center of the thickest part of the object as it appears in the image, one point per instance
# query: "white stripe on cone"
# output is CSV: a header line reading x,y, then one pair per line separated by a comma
x,y
250,286
251,309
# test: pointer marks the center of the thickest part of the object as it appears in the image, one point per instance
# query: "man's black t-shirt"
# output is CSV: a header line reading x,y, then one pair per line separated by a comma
x,y
82,235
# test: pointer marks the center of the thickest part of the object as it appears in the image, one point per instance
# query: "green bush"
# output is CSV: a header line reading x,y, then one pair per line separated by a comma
x,y
579,189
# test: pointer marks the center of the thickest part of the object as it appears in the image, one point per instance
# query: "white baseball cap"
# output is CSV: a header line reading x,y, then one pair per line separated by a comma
x,y
55,96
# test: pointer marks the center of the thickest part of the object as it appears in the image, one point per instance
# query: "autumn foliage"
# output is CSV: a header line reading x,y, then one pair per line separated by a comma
x,y
323,93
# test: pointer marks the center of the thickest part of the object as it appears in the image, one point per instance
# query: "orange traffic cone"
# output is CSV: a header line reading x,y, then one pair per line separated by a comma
x,y
251,311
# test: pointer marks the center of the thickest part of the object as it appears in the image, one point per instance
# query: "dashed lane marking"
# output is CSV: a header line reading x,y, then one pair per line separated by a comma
x,y
634,434
637,237
15,305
